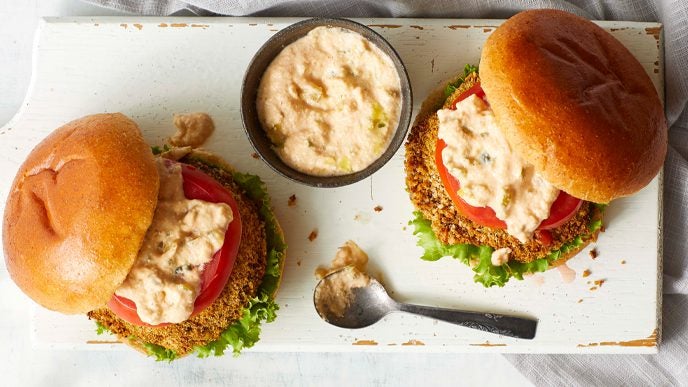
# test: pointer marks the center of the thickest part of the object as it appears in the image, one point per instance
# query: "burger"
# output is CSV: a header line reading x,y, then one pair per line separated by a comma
x,y
511,164
175,253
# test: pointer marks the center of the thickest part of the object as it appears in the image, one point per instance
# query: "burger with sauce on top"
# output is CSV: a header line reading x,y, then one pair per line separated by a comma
x,y
510,167
174,254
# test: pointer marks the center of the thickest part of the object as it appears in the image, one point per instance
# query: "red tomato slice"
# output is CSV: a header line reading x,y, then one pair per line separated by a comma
x,y
198,185
475,89
563,208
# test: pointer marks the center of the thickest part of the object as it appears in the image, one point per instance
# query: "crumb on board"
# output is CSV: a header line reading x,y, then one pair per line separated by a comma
x,y
298,262
292,201
586,273
580,300
313,235
378,208
599,282
623,261
255,155
592,289
593,253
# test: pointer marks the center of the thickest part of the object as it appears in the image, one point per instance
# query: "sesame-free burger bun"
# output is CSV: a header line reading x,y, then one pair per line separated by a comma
x,y
574,102
77,212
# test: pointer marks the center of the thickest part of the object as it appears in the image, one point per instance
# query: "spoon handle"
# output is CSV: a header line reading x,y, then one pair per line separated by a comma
x,y
522,328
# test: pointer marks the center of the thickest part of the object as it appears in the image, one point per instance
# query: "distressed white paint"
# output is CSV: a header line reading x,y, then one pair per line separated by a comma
x,y
134,65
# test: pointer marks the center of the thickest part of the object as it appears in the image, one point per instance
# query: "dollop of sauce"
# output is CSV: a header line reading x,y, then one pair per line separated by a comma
x,y
330,102
500,256
349,254
490,173
193,129
334,295
567,274
184,235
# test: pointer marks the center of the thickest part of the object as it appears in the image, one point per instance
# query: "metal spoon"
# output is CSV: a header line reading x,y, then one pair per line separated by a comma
x,y
368,304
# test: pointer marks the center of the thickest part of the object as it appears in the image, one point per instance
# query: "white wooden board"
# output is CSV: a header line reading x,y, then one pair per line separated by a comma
x,y
150,68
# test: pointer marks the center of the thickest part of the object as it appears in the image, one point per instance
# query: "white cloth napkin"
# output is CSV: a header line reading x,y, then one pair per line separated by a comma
x,y
670,366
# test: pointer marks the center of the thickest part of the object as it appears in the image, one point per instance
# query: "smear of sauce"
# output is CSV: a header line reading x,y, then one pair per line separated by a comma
x,y
362,217
537,279
349,254
193,129
567,274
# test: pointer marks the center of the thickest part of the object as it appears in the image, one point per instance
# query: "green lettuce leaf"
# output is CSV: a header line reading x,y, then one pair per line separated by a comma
x,y
245,332
452,86
159,150
101,329
159,352
480,257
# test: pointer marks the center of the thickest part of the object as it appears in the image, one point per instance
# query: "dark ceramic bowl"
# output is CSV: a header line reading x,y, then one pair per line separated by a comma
x,y
249,90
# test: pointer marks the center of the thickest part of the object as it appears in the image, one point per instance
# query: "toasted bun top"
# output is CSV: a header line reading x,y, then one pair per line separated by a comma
x,y
574,102
78,211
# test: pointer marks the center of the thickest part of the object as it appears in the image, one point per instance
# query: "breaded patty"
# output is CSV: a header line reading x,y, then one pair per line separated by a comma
x,y
243,285
430,197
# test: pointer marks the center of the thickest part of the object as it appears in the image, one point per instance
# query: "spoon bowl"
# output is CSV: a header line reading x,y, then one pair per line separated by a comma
x,y
363,303
367,305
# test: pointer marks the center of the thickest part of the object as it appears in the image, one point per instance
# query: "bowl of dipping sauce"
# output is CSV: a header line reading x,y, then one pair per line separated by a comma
x,y
326,102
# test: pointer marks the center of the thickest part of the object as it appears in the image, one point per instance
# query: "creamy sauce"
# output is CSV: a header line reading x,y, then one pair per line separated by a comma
x,y
500,256
183,237
193,129
350,254
567,274
490,173
330,102
334,295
